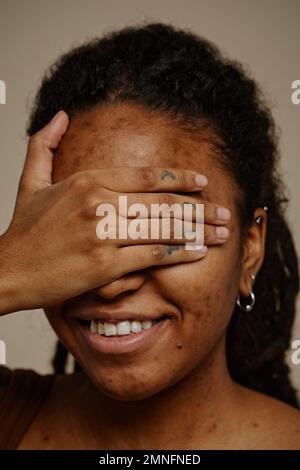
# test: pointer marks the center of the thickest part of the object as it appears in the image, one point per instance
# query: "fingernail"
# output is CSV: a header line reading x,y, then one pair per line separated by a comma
x,y
223,213
201,180
222,232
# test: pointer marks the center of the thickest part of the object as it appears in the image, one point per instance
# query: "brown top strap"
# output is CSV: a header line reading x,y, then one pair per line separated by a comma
x,y
22,392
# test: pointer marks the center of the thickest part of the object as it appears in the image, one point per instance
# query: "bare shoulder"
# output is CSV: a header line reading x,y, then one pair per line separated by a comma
x,y
274,424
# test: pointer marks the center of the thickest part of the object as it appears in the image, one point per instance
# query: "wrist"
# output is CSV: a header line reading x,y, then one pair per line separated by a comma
x,y
8,297
8,281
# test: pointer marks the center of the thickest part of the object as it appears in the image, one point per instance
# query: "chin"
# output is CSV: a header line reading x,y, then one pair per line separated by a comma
x,y
128,382
124,388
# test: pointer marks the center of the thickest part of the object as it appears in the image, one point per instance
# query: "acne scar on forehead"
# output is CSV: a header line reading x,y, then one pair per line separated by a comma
x,y
118,136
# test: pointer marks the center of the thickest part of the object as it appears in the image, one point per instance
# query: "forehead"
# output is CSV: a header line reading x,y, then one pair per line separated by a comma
x,y
129,135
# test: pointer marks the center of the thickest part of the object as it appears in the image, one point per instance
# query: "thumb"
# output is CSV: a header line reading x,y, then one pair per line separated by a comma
x,y
37,169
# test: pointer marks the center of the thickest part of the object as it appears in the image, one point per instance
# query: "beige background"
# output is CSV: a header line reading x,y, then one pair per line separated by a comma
x,y
265,34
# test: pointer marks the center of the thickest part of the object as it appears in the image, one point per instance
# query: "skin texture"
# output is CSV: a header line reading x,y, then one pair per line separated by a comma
x,y
183,377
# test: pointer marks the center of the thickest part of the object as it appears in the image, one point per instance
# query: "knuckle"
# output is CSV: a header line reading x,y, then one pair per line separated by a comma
x,y
146,177
90,205
98,254
80,183
183,179
157,252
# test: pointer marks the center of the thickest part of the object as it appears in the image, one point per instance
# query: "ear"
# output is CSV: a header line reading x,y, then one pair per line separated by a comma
x,y
254,251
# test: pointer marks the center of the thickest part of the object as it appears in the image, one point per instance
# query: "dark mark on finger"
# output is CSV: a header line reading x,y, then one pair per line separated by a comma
x,y
167,174
172,248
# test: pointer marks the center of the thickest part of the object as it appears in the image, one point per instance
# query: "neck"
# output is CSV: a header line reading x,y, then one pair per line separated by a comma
x,y
191,411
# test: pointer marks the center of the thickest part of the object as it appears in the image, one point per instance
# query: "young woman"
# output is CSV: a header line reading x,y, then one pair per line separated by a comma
x,y
174,349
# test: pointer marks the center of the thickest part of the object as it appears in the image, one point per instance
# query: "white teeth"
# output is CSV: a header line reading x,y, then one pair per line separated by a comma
x,y
125,327
94,327
136,326
110,329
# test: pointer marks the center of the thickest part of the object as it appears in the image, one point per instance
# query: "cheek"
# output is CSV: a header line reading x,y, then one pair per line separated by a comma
x,y
61,327
205,293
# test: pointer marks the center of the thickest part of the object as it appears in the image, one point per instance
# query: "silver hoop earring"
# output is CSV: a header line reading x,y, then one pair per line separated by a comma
x,y
246,307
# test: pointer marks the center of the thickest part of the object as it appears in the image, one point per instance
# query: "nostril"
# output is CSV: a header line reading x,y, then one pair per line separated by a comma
x,y
125,285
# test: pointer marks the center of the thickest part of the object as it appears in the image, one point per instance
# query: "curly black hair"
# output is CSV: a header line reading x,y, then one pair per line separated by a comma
x,y
184,76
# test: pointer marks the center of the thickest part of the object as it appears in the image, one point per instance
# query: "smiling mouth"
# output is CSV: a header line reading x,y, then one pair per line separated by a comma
x,y
120,328
125,336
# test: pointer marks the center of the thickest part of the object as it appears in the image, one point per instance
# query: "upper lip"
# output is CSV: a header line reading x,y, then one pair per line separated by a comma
x,y
115,317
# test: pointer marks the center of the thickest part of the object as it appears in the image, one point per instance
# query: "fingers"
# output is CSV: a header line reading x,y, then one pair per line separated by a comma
x,y
178,205
133,258
148,231
215,214
162,231
215,235
149,179
38,164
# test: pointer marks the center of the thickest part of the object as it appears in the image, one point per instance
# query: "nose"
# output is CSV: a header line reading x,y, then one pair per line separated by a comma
x,y
127,283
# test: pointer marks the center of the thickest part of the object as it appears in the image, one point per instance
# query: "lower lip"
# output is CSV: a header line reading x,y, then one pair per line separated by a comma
x,y
127,343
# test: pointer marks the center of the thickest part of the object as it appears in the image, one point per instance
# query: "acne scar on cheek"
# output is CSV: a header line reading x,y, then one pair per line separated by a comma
x,y
213,427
